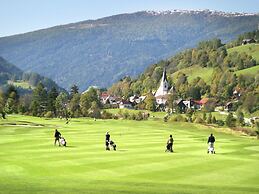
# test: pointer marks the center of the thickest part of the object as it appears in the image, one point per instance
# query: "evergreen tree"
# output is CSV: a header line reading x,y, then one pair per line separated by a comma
x,y
240,118
2,104
204,116
230,120
189,114
194,93
214,120
24,103
52,95
257,129
39,100
73,90
12,97
209,120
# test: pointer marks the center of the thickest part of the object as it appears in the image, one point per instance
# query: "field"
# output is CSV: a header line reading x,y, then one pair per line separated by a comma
x,y
250,49
21,84
195,71
30,163
249,71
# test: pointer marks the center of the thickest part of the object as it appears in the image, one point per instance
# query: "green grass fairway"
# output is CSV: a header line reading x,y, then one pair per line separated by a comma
x,y
29,163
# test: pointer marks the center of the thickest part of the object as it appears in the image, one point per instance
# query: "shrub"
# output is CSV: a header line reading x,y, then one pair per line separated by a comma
x,y
178,118
126,115
220,122
199,120
106,115
49,114
214,121
230,120
133,116
139,116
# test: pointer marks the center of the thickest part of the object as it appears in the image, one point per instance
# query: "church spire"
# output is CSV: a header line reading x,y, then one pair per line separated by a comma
x,y
163,88
164,77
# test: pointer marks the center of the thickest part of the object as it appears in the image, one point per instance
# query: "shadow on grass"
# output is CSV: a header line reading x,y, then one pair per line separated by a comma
x,y
71,146
122,150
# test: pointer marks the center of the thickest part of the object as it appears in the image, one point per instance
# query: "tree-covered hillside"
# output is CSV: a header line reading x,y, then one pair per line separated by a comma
x,y
209,70
100,52
23,81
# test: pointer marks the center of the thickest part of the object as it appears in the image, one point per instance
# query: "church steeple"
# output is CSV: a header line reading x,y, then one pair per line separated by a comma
x,y
163,88
164,77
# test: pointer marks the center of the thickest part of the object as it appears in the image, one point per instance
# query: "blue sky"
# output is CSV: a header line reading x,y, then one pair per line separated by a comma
x,y
19,16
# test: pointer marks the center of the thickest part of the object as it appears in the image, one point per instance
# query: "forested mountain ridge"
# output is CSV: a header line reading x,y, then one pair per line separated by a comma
x,y
100,52
23,81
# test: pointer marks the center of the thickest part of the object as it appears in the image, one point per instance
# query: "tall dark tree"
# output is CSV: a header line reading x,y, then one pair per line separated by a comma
x,y
73,90
240,118
2,104
39,100
12,97
52,95
230,120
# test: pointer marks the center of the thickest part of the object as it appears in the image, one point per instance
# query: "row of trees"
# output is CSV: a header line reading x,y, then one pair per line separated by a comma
x,y
51,103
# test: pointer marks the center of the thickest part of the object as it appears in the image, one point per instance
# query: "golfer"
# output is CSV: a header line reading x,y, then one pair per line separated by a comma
x,y
57,136
169,146
107,140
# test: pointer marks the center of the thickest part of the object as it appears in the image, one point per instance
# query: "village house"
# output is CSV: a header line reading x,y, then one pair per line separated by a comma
x,y
192,104
136,99
180,104
125,104
248,41
105,98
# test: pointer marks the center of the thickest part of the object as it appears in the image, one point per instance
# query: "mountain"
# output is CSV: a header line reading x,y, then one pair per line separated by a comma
x,y
100,52
23,81
8,68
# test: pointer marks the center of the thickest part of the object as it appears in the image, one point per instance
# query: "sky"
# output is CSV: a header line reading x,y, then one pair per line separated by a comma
x,y
20,16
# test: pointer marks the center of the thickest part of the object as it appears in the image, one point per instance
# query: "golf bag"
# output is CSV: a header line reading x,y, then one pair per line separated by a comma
x,y
169,147
63,141
113,145
211,149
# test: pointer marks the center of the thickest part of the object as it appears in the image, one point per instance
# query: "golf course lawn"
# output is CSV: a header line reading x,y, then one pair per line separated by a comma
x,y
30,163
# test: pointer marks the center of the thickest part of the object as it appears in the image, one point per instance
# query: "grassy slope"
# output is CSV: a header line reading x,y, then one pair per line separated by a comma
x,y
31,164
205,73
251,49
195,71
249,71
21,84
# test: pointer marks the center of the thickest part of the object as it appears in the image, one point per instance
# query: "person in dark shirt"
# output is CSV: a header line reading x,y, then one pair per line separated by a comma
x,y
57,137
169,144
211,139
107,140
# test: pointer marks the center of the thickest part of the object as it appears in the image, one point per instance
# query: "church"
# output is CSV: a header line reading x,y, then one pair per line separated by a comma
x,y
163,90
